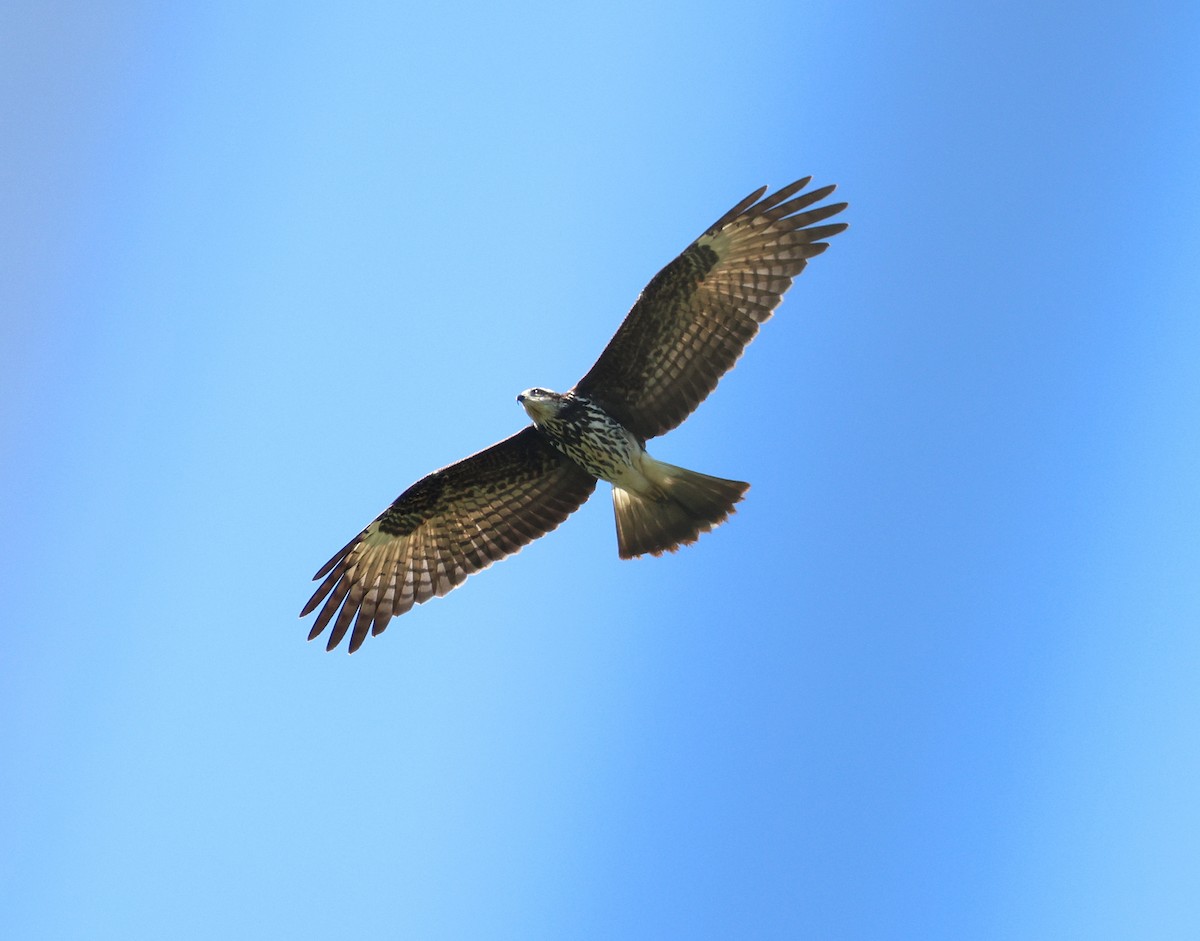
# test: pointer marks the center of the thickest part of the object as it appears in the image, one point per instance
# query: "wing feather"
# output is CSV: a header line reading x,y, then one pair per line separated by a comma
x,y
447,526
695,317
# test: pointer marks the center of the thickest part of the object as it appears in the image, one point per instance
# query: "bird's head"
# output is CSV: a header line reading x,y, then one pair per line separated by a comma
x,y
541,404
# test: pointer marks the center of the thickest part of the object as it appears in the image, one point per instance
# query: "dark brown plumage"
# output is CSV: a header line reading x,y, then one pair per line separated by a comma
x,y
695,317
688,328
451,524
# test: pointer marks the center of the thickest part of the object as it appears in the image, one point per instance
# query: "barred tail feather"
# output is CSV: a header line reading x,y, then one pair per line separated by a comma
x,y
683,505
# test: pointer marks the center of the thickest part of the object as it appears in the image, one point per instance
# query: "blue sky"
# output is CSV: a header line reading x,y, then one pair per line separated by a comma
x,y
264,265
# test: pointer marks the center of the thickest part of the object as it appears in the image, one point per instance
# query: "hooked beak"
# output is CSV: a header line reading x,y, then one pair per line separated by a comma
x,y
535,408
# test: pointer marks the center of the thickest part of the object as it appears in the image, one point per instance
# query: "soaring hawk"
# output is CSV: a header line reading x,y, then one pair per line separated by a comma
x,y
688,327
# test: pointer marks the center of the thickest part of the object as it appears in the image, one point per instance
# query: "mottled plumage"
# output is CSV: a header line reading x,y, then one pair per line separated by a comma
x,y
695,317
688,328
585,433
449,525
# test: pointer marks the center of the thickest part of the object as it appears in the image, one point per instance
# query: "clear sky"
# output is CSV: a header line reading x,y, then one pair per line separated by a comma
x,y
264,265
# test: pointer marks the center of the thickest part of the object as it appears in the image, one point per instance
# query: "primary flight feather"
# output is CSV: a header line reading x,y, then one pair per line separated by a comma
x,y
686,330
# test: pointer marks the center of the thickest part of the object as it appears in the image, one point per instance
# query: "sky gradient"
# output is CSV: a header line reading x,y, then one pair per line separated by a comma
x,y
265,265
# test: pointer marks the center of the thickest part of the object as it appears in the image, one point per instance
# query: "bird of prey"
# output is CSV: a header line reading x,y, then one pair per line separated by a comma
x,y
686,329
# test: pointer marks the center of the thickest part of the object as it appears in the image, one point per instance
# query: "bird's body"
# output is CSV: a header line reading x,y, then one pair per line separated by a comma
x,y
658,506
687,328
585,433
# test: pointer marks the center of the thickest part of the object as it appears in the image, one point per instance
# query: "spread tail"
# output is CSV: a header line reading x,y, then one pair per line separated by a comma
x,y
683,505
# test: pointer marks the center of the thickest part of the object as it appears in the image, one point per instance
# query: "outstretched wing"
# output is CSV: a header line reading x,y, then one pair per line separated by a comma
x,y
691,323
446,526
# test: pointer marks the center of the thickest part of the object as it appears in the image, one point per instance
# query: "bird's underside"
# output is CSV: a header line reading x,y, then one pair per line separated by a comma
x,y
686,329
